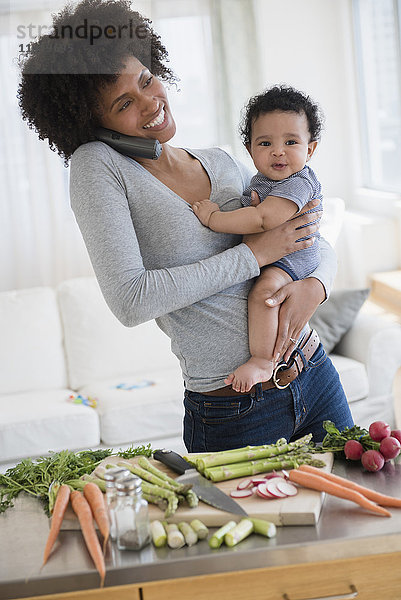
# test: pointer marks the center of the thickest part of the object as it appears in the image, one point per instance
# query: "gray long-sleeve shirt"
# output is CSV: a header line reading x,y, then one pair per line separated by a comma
x,y
155,260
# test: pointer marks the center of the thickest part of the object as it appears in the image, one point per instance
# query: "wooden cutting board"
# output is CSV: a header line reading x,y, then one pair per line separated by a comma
x,y
302,509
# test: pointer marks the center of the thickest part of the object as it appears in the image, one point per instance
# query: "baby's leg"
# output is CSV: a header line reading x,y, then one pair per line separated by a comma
x,y
263,327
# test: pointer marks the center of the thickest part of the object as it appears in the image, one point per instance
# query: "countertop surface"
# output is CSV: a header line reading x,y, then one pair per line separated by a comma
x,y
344,530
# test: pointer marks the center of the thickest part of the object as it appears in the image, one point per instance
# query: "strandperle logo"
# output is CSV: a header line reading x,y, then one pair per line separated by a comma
x,y
84,31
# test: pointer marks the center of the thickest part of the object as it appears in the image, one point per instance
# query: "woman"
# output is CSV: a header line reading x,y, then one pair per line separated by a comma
x,y
151,255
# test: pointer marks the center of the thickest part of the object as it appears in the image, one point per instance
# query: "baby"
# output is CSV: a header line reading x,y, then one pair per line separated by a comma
x,y
281,129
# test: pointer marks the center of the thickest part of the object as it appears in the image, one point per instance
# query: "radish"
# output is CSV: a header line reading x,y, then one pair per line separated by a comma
x,y
272,487
258,480
244,484
396,433
263,492
241,493
285,474
372,460
271,475
379,430
390,447
353,450
287,488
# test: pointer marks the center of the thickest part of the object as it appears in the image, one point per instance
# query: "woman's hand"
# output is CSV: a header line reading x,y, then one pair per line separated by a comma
x,y
272,245
298,300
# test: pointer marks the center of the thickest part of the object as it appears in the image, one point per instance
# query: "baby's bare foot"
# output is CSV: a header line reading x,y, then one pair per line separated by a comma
x,y
247,375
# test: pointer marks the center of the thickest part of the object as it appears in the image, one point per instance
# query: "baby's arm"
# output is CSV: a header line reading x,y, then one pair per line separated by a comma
x,y
270,213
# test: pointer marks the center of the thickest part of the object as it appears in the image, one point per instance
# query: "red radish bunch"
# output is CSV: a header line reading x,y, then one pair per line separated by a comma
x,y
389,446
268,487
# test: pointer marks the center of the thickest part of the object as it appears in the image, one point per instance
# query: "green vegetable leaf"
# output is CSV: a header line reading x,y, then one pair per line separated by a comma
x,y
41,477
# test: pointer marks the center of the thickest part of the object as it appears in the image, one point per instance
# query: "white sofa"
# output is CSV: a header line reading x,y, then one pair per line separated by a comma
x,y
58,342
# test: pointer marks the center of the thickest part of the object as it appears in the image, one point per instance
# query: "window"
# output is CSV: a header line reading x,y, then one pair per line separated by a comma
x,y
378,55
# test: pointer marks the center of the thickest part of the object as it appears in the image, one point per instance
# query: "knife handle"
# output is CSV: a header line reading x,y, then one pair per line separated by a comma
x,y
173,460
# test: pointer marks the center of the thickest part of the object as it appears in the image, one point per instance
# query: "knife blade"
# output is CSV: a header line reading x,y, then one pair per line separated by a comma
x,y
203,488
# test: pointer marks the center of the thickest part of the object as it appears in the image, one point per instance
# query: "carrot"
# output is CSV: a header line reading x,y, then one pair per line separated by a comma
x,y
377,497
63,496
316,482
95,497
83,511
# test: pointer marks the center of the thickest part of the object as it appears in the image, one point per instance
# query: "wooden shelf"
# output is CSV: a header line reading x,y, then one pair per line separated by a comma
x,y
386,291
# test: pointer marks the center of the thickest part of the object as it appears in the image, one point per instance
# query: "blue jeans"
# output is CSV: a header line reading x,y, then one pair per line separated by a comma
x,y
213,423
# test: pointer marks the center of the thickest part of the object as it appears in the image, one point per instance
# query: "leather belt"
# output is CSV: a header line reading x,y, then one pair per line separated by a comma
x,y
284,373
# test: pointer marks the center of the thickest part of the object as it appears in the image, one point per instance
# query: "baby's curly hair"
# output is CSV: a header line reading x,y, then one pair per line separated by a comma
x,y
284,98
63,74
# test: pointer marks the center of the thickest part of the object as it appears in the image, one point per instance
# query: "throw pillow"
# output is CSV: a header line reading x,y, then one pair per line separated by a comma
x,y
333,318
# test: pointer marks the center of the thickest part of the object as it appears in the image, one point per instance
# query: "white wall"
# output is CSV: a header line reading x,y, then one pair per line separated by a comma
x,y
308,44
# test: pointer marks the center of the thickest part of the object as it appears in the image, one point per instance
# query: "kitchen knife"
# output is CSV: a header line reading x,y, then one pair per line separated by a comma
x,y
203,488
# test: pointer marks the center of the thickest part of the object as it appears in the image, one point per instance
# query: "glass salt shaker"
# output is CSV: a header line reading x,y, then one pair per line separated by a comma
x,y
111,476
132,520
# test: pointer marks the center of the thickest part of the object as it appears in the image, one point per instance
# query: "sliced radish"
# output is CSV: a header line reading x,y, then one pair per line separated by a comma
x,y
287,488
244,484
262,491
272,487
285,474
272,475
258,480
241,493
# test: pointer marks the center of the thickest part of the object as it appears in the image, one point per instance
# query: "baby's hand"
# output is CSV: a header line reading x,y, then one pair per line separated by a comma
x,y
204,209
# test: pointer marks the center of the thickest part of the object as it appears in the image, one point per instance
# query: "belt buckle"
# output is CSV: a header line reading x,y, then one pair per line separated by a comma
x,y
280,366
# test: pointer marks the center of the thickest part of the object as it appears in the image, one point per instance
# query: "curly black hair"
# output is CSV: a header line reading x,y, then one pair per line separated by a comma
x,y
284,98
63,74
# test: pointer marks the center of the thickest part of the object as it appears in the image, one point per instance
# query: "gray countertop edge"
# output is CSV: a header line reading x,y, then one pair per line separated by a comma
x,y
210,562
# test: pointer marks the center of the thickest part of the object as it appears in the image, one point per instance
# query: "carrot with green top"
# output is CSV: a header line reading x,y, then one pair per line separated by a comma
x,y
62,499
316,482
95,497
83,511
377,497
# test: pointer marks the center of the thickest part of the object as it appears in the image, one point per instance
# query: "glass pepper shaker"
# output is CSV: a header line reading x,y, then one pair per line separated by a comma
x,y
131,511
111,476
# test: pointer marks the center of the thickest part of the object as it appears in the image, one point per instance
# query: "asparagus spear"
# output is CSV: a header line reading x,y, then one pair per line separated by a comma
x,y
152,499
250,453
79,484
263,465
158,532
179,487
155,490
217,538
192,499
175,539
201,529
189,534
146,475
266,528
239,532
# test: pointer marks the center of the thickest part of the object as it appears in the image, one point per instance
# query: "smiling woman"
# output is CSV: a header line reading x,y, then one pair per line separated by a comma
x,y
152,256
137,101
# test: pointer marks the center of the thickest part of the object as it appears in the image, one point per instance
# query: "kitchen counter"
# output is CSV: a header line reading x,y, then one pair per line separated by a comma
x,y
344,532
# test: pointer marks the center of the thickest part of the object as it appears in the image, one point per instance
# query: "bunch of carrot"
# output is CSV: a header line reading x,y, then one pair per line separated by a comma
x,y
316,479
87,506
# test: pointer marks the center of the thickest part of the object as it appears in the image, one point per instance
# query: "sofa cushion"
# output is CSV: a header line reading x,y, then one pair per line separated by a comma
x,y
143,412
31,341
35,422
353,377
98,346
333,318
